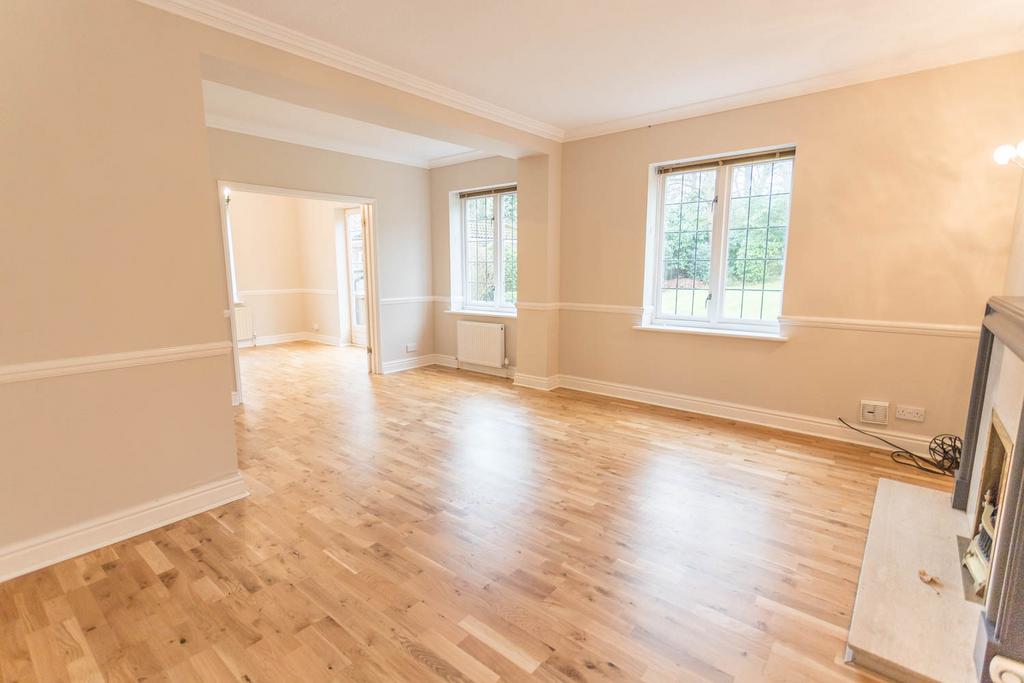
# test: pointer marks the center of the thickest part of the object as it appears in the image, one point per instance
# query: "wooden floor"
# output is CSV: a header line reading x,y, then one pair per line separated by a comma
x,y
437,525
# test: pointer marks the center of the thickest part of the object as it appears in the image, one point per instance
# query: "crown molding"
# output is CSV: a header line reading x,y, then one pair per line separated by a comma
x,y
220,16
908,64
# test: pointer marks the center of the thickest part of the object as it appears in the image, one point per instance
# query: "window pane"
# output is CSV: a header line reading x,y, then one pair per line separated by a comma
x,y
773,275
480,242
739,208
759,212
686,242
510,247
673,217
684,302
751,305
668,301
771,305
758,221
741,181
755,243
704,211
673,189
707,185
703,245
691,187
778,214
761,179
700,303
733,301
776,242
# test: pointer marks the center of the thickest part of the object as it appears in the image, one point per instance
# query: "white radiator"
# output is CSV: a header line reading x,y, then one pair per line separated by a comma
x,y
243,325
481,344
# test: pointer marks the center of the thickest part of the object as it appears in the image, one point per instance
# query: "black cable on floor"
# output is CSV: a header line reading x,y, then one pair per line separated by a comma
x,y
943,456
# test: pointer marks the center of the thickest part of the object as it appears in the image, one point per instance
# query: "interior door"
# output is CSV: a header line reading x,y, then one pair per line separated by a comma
x,y
357,273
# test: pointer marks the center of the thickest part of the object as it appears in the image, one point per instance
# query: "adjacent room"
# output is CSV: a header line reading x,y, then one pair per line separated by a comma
x,y
567,341
297,271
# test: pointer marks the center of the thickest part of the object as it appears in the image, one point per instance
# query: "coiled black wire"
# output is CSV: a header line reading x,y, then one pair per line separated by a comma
x,y
943,457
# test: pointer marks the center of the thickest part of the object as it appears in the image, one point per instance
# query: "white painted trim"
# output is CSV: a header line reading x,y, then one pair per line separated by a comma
x,y
537,306
26,556
446,360
287,337
240,23
411,300
507,373
713,331
266,292
892,326
393,366
24,372
536,382
469,313
917,61
602,308
325,339
777,419
236,399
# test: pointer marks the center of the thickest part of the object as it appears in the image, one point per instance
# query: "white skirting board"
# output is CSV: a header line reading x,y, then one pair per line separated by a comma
x,y
43,551
777,419
446,361
271,339
790,422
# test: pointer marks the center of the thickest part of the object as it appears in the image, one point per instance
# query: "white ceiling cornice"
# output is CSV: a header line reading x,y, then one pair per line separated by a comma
x,y
909,64
231,20
218,15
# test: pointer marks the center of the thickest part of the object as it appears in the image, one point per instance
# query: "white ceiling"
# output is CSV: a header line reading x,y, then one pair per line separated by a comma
x,y
572,68
242,111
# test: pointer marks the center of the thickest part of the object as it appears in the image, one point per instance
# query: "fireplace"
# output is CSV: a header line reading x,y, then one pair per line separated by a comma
x,y
941,591
988,485
992,474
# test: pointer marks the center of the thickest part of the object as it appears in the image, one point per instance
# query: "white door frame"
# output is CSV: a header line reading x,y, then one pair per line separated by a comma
x,y
348,275
370,255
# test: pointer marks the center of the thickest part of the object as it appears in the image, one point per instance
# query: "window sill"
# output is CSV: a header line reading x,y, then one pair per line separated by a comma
x,y
714,332
483,314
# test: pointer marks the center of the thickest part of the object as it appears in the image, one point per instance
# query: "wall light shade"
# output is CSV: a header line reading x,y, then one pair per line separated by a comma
x,y
1020,149
227,190
1004,154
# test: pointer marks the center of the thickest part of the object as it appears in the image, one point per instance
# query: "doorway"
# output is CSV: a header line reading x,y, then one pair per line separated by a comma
x,y
280,287
351,256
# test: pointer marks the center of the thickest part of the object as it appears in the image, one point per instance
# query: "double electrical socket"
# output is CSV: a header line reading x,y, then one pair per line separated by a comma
x,y
877,412
911,413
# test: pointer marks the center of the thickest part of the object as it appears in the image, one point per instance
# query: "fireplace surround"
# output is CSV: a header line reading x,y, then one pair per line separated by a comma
x,y
1001,626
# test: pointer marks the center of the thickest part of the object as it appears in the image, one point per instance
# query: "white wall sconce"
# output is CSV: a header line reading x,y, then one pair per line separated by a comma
x,y
1004,154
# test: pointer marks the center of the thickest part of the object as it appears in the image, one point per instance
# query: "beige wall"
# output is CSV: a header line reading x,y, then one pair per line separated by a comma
x,y
899,214
285,265
402,216
111,242
444,181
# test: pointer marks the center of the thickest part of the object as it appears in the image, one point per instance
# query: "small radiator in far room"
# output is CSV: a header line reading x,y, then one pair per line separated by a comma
x,y
481,344
243,326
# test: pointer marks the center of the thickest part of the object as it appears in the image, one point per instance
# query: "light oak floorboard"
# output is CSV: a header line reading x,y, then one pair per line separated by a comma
x,y
441,525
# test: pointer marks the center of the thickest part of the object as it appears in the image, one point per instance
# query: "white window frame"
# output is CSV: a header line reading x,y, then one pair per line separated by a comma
x,y
715,320
498,305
